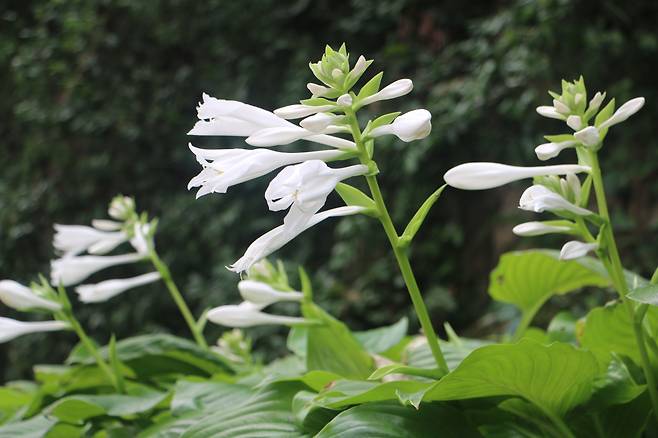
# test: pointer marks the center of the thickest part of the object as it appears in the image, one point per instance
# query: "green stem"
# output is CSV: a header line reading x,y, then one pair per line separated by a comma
x,y
163,269
561,426
526,318
400,253
616,270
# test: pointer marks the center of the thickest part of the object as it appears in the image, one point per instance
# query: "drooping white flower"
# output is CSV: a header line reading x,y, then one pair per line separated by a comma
x,y
391,91
588,136
248,315
574,122
414,125
547,151
223,168
575,249
623,112
528,229
11,328
280,236
538,198
262,294
298,111
480,176
73,239
304,189
103,291
550,112
71,270
20,297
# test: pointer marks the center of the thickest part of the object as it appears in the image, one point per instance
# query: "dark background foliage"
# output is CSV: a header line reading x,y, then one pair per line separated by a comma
x,y
97,97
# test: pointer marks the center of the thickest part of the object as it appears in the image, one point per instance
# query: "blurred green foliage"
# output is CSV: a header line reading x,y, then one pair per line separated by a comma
x,y
97,97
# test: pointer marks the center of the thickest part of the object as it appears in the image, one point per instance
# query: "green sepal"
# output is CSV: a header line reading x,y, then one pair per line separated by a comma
x,y
371,87
417,220
558,138
604,115
396,368
317,101
380,121
355,197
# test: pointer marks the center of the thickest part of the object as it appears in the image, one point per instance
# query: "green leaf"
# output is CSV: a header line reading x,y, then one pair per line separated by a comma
x,y
417,220
14,399
397,368
562,328
192,396
555,378
371,87
383,338
419,354
36,427
528,278
332,347
389,420
353,196
352,392
115,363
646,294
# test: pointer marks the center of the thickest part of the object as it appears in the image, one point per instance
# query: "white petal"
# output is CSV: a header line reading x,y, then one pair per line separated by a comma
x,y
72,270
588,136
240,317
103,291
480,176
574,122
11,329
624,112
528,229
547,151
260,293
20,297
550,112
396,89
299,111
574,249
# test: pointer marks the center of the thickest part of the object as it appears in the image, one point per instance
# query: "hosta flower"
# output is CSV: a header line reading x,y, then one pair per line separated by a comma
x,y
538,198
574,122
103,291
528,229
623,112
279,236
262,294
298,111
547,151
73,239
106,224
223,168
318,122
414,125
550,112
588,136
574,249
11,329
248,315
318,90
596,101
20,297
391,91
304,189
480,176
140,238
71,270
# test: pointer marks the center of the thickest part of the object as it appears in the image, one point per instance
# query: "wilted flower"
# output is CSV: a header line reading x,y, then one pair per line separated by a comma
x,y
391,91
480,176
71,270
262,294
528,229
538,198
20,297
247,314
74,239
11,328
103,291
414,125
575,249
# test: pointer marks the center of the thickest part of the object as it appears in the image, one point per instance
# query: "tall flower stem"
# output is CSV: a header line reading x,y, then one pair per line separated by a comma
x,y
163,269
400,252
616,271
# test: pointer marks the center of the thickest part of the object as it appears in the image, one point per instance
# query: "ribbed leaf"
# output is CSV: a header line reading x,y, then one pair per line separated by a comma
x,y
36,427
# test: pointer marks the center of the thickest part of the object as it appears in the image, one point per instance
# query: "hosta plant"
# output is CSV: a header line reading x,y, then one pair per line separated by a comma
x,y
588,376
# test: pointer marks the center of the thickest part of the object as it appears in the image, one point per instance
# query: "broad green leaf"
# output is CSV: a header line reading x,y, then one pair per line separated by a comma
x,y
389,420
555,378
562,328
616,386
311,417
417,220
353,392
36,427
396,368
647,294
528,278
14,399
355,197
332,347
383,338
267,413
371,87
419,355
296,341
198,396
619,421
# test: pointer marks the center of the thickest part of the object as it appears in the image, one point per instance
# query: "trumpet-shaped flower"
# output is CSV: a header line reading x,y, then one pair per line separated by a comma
x,y
480,176
262,294
20,297
11,329
547,151
298,111
414,125
103,291
391,91
550,112
71,240
304,189
223,168
575,249
528,229
248,315
623,112
71,270
280,236
538,198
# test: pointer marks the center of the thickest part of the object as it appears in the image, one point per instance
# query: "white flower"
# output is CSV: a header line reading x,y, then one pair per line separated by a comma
x,y
344,100
528,229
480,176
103,291
106,225
262,294
279,236
547,151
574,122
10,328
588,136
319,122
623,112
223,168
391,91
359,67
317,90
140,239
298,111
304,189
20,297
285,135
414,125
596,101
72,270
74,239
550,112
561,107
574,249
538,198
248,315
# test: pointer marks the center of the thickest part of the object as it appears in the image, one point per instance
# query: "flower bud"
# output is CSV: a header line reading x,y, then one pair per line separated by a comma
x,y
574,122
596,101
299,111
414,125
19,297
547,151
248,315
624,112
317,122
550,112
344,100
262,294
103,291
391,91
10,328
588,136
359,67
480,176
121,207
575,249
318,90
560,107
528,229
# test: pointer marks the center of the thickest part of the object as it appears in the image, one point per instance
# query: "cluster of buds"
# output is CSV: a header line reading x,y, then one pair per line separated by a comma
x,y
564,197
98,240
306,181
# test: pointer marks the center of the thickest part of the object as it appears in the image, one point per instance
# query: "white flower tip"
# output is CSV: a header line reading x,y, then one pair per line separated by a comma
x,y
344,100
575,249
588,136
574,122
